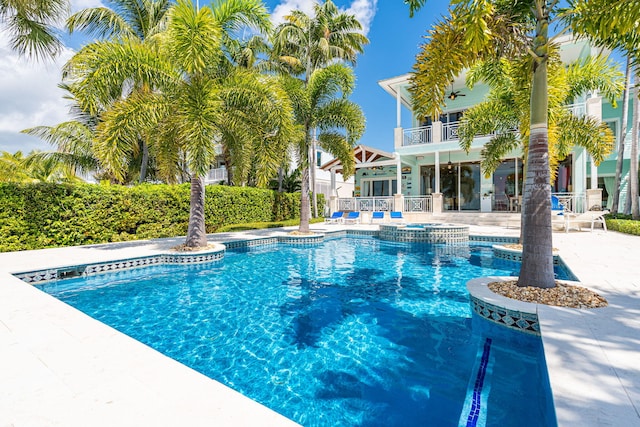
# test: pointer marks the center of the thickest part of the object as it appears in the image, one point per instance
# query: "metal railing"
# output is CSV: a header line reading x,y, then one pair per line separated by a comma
x,y
450,131
216,175
577,110
418,204
366,204
417,136
573,202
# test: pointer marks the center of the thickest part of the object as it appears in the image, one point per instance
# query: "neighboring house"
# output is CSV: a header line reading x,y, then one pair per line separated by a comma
x,y
326,182
436,175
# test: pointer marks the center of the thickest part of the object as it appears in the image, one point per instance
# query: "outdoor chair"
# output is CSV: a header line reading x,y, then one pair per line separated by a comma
x,y
396,216
591,217
377,217
335,218
352,218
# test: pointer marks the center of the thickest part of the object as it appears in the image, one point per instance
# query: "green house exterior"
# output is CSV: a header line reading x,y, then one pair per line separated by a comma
x,y
436,175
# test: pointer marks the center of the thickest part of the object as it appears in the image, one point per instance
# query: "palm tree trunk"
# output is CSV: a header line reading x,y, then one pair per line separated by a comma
x,y
305,208
537,256
280,179
144,162
312,175
633,166
196,234
623,134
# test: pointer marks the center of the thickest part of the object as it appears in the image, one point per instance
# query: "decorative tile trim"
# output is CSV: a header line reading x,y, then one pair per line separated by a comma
x,y
522,321
426,233
515,255
36,277
251,243
301,240
192,258
494,239
370,233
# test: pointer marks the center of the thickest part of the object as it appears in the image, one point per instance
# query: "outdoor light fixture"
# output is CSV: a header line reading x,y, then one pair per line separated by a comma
x,y
449,165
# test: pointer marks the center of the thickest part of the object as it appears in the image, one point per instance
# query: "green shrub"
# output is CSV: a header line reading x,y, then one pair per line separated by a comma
x,y
627,226
34,216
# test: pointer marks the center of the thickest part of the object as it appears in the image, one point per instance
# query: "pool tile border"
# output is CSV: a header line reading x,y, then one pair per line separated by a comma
x,y
507,312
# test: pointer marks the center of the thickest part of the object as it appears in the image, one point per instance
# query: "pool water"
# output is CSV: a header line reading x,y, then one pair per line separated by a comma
x,y
351,332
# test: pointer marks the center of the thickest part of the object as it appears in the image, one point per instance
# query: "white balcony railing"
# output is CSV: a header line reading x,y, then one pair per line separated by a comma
x,y
417,204
450,131
214,176
366,204
577,110
417,136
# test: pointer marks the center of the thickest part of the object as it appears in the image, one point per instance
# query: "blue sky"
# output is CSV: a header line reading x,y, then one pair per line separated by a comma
x,y
29,95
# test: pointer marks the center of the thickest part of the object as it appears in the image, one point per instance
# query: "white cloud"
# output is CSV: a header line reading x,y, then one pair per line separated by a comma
x,y
364,10
77,5
29,96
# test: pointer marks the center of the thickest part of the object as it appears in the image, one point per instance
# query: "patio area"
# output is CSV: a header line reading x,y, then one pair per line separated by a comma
x,y
62,368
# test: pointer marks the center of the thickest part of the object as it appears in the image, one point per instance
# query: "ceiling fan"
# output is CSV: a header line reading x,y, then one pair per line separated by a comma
x,y
454,94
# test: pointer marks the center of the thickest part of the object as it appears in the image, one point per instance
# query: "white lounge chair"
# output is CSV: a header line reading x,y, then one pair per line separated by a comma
x,y
591,217
352,218
335,218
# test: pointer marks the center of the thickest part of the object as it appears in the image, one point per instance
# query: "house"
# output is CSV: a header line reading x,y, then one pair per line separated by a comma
x,y
426,171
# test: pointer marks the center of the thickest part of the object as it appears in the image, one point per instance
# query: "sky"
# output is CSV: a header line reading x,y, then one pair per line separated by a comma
x,y
29,95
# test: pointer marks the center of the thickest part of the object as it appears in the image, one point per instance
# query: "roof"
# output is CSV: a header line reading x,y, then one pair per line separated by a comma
x,y
363,155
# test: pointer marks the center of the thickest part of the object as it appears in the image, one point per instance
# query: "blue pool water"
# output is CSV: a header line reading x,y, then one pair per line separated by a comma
x,y
352,332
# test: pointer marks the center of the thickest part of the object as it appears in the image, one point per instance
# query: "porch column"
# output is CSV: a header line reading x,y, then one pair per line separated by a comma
x,y
398,108
436,128
436,196
594,109
398,173
334,192
437,185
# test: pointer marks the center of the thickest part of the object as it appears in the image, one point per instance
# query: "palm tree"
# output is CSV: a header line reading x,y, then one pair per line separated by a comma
x,y
595,24
323,104
303,45
127,19
31,25
12,168
505,108
193,107
481,30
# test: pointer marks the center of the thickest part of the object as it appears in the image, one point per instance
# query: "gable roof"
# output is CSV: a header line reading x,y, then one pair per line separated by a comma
x,y
364,156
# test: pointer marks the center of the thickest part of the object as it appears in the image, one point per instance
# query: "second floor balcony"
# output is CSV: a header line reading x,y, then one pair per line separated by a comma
x,y
445,132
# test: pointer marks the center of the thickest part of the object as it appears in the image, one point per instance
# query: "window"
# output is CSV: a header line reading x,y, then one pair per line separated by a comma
x,y
318,158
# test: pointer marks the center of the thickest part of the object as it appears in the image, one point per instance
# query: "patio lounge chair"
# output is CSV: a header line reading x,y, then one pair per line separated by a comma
x,y
352,218
377,217
397,216
583,218
335,218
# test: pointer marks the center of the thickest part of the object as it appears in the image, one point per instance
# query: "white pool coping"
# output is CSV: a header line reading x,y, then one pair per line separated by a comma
x,y
62,368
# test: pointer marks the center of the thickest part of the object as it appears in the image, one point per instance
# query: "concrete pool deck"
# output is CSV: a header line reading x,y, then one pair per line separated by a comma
x,y
62,368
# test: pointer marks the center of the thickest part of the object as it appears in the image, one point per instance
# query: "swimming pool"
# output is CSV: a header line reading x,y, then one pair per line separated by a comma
x,y
353,331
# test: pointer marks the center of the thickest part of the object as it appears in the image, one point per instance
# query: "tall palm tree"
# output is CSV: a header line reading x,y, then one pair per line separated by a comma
x,y
304,44
486,29
31,26
595,24
322,103
193,107
505,108
141,20
12,168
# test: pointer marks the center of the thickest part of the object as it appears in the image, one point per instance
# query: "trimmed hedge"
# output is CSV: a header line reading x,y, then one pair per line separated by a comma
x,y
623,224
34,216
